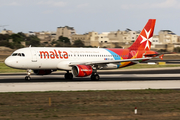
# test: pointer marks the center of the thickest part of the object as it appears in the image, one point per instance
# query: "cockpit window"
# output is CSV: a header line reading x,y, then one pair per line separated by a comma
x,y
18,54
14,54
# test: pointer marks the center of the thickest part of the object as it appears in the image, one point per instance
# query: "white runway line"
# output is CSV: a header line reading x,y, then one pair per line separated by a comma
x,y
76,86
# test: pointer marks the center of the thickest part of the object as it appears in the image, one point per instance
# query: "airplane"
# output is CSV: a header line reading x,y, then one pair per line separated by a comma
x,y
83,62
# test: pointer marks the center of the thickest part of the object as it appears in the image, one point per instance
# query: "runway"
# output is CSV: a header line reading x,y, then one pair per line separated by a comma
x,y
115,80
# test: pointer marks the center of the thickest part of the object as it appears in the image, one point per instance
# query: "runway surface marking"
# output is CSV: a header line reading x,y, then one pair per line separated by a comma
x,y
76,86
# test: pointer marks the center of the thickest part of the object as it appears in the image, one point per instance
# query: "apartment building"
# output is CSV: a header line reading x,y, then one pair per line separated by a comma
x,y
65,32
85,38
126,36
103,37
46,36
115,36
107,39
155,41
167,37
89,39
129,35
9,32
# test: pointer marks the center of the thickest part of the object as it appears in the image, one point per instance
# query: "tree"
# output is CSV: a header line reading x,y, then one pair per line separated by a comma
x,y
4,40
33,41
78,43
4,37
64,40
17,38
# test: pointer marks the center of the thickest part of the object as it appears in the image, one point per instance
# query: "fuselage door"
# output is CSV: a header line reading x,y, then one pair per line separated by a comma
x,y
34,56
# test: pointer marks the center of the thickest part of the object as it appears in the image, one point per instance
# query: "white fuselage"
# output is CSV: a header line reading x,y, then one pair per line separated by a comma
x,y
57,58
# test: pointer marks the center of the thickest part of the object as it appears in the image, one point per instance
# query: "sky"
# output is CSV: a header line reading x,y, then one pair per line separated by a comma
x,y
89,15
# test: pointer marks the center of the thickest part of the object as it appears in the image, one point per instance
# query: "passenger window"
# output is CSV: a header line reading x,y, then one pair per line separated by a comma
x,y
23,54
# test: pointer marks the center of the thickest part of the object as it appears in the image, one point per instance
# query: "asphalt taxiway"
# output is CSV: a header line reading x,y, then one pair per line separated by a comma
x,y
159,78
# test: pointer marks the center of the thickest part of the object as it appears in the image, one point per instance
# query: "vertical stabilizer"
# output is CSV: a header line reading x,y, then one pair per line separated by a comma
x,y
143,42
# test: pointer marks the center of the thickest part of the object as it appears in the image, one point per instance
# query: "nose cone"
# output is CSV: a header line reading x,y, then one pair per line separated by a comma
x,y
8,62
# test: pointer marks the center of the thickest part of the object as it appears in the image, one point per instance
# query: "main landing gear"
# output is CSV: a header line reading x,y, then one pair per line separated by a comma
x,y
95,76
28,78
68,75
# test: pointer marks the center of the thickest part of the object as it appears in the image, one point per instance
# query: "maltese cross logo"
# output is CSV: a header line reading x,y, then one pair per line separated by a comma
x,y
147,40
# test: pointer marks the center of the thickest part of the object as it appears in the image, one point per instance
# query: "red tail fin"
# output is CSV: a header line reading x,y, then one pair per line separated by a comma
x,y
143,42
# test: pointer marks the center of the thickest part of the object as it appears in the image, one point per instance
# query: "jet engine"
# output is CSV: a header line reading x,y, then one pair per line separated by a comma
x,y
82,70
42,72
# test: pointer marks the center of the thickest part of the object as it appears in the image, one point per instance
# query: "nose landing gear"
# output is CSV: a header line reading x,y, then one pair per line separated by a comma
x,y
28,78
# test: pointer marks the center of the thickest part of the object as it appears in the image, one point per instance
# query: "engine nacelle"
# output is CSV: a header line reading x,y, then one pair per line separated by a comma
x,y
42,72
82,70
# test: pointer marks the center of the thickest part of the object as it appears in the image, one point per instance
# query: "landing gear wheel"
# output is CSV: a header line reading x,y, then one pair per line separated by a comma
x,y
28,78
68,76
95,77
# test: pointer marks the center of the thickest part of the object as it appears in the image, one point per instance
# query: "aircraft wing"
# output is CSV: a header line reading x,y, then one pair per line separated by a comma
x,y
136,60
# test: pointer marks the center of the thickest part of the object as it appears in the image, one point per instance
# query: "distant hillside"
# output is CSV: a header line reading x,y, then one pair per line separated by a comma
x,y
5,49
5,52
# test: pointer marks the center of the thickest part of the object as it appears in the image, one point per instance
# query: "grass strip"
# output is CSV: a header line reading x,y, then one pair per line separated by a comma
x,y
104,105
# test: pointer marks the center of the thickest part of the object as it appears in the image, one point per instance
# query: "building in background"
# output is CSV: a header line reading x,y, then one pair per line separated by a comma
x,y
46,37
165,40
89,39
65,32
167,37
9,32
